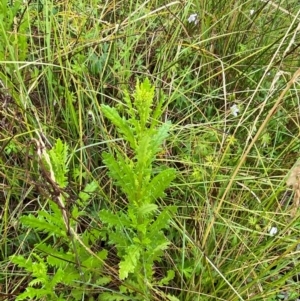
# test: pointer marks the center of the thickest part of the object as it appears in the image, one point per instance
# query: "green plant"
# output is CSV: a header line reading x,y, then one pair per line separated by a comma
x,y
62,257
137,232
12,31
60,61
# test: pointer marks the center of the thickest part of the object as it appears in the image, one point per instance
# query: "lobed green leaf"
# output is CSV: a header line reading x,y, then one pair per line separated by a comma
x,y
122,125
129,261
122,172
114,220
59,157
42,225
158,184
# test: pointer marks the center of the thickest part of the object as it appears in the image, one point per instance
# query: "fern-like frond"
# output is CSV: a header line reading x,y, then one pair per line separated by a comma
x,y
149,145
144,156
54,217
59,159
122,172
41,224
122,125
131,111
122,239
57,278
32,293
56,257
159,137
21,261
129,261
162,220
35,282
158,184
44,293
147,209
94,262
114,220
143,100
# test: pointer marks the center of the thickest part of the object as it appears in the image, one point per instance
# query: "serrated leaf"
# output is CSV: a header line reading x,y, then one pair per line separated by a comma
x,y
54,218
21,261
129,261
159,137
144,154
162,220
168,278
143,100
59,262
172,298
59,157
53,214
57,278
71,274
89,188
39,270
42,225
148,146
132,214
121,240
93,262
35,282
159,183
147,209
142,227
113,220
156,253
57,258
103,281
102,254
121,124
122,172
24,296
31,293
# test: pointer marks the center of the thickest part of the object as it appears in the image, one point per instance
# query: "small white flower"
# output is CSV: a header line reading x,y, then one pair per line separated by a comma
x,y
273,231
234,110
193,18
252,11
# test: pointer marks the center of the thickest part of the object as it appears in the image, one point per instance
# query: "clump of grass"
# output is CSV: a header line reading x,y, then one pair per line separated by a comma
x,y
61,61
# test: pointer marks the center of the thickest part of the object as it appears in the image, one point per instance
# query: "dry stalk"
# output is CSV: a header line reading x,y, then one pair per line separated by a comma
x,y
294,181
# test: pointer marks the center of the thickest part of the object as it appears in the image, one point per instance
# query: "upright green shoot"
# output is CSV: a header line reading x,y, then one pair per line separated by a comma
x,y
137,232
